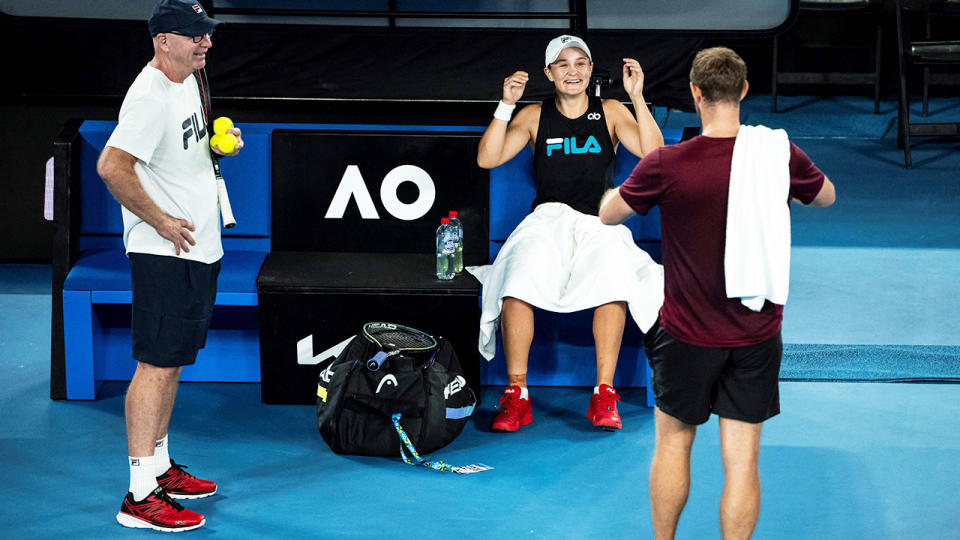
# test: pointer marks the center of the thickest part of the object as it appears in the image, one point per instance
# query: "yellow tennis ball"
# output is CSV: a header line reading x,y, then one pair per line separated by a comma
x,y
225,141
222,124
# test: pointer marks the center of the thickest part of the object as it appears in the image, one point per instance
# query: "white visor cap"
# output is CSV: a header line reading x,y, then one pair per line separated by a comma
x,y
559,43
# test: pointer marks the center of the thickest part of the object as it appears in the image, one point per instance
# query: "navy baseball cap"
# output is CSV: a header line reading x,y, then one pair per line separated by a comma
x,y
186,17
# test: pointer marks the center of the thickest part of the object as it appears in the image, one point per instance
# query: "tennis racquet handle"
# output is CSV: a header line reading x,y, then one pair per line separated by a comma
x,y
378,359
226,212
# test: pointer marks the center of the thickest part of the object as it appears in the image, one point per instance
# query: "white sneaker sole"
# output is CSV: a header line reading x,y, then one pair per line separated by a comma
x,y
185,496
136,523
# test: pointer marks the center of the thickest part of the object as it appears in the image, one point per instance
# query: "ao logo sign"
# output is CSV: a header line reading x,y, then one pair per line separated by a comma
x,y
352,186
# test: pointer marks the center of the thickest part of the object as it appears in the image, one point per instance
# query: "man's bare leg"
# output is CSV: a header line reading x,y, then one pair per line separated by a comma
x,y
670,473
608,322
740,502
516,324
148,405
169,400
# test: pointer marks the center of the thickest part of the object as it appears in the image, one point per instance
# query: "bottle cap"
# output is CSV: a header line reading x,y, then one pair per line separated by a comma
x,y
444,220
453,214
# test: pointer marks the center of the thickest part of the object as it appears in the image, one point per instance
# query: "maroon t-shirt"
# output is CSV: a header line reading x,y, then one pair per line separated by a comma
x,y
690,182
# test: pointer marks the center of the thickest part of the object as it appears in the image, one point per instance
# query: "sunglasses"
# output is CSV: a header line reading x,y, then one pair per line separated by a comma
x,y
196,39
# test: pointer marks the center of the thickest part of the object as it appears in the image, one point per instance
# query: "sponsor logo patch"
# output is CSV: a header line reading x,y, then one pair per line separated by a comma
x,y
455,386
569,146
388,379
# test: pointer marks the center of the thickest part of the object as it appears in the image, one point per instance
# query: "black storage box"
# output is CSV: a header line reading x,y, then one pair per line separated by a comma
x,y
329,296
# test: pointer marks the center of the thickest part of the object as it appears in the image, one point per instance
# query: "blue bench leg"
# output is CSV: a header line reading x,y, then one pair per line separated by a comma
x,y
78,345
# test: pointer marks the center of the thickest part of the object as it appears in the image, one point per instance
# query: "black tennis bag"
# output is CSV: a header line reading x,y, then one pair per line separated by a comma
x,y
391,369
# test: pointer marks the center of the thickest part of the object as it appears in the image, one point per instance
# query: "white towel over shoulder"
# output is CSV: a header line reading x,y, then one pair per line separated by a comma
x,y
757,257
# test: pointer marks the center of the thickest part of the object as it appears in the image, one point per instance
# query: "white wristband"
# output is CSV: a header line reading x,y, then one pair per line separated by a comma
x,y
504,111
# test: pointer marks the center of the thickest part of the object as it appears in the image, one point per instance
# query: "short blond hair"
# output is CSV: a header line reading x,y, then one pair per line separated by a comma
x,y
719,73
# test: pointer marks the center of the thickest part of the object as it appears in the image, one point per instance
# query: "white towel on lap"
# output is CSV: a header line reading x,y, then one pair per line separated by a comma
x,y
756,260
561,260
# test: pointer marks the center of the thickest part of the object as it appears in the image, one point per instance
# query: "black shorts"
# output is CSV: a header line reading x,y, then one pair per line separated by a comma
x,y
690,382
172,304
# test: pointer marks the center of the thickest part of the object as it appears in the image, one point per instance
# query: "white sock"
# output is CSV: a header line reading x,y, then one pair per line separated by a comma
x,y
596,389
143,478
162,454
523,393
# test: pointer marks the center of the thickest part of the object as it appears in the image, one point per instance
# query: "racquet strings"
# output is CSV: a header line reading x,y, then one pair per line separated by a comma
x,y
400,338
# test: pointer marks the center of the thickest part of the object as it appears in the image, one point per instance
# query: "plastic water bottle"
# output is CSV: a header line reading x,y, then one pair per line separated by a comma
x,y
458,225
446,249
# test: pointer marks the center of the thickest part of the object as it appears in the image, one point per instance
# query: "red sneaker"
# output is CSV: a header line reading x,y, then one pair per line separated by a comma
x,y
158,512
514,411
180,484
603,409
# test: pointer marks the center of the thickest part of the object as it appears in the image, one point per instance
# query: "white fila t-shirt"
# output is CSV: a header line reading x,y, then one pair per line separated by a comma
x,y
161,124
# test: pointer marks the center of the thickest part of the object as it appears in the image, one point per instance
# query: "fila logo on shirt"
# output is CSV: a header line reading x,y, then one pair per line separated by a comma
x,y
192,129
197,8
569,146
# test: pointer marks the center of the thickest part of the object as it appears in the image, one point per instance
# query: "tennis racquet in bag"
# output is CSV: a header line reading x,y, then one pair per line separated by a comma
x,y
226,212
390,370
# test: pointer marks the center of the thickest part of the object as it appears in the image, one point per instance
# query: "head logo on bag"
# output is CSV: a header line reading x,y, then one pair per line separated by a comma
x,y
456,385
387,379
327,374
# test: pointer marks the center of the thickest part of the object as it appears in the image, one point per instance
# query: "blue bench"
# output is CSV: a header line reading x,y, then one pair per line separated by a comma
x,y
90,340
562,353
96,290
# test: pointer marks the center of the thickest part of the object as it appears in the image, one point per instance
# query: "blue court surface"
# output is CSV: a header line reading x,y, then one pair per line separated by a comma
x,y
856,453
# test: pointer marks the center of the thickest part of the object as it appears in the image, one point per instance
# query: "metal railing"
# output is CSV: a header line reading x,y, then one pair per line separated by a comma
x,y
576,14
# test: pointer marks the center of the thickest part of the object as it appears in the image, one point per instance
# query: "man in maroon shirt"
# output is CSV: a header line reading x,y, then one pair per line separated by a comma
x,y
709,353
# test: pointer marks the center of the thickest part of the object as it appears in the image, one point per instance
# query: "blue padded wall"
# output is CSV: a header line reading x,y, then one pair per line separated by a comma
x,y
247,175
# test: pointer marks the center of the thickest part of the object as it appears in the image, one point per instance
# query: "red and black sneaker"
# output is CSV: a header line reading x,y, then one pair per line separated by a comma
x,y
514,411
603,409
180,484
158,512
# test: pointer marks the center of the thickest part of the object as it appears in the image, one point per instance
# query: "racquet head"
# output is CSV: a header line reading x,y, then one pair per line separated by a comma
x,y
396,337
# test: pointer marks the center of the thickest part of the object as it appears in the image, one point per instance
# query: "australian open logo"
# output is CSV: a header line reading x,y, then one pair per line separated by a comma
x,y
570,147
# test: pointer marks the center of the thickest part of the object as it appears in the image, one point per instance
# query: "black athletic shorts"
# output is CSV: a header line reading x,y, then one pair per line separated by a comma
x,y
172,304
690,382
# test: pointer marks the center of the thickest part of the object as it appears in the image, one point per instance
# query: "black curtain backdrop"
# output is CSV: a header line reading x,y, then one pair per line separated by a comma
x,y
436,65
101,58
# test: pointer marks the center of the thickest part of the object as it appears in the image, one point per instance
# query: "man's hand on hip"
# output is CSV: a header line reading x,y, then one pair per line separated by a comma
x,y
177,230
